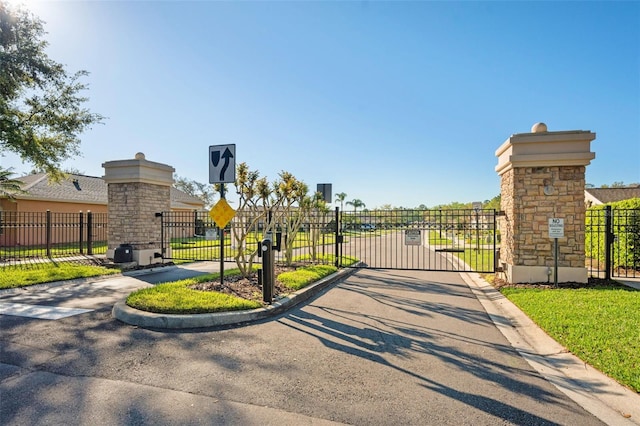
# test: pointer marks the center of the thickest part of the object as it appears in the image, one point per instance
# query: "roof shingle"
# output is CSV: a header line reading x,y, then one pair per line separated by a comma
x,y
86,189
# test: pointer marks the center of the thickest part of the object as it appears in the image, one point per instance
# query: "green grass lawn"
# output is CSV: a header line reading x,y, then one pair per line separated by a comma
x,y
600,325
295,280
478,260
435,238
177,298
56,250
12,277
197,248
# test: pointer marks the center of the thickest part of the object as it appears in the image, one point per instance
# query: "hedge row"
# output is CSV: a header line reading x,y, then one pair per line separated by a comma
x,y
626,228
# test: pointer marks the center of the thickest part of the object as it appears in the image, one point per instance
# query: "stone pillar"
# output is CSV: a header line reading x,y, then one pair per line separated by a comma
x,y
137,189
543,176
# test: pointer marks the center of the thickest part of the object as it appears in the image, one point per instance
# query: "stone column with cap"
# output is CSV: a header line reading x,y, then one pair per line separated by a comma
x,y
137,190
543,176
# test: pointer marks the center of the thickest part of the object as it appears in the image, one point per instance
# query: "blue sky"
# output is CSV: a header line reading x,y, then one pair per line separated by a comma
x,y
400,103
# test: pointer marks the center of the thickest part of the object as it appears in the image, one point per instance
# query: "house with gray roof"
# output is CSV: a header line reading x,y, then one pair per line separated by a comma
x,y
77,193
597,196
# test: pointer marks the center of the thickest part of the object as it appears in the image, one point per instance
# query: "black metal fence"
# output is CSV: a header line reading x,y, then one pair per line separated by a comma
x,y
297,238
462,240
34,237
612,242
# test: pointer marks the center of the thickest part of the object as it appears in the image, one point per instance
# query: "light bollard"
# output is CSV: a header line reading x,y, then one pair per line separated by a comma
x,y
266,251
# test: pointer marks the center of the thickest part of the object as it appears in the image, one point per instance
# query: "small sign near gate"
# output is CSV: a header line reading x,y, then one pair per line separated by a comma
x,y
210,234
556,228
412,237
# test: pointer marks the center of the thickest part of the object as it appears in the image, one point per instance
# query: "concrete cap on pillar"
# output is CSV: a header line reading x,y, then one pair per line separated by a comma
x,y
138,170
539,128
542,148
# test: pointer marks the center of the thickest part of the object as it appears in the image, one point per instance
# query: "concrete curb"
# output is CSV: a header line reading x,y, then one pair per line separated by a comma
x,y
151,320
597,393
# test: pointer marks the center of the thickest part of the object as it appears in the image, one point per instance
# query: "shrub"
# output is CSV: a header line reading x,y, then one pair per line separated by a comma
x,y
626,226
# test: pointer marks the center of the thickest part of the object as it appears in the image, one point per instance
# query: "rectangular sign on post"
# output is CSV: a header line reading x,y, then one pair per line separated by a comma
x,y
325,190
556,228
222,163
412,237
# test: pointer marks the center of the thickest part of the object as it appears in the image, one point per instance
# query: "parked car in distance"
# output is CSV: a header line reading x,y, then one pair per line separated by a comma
x,y
367,227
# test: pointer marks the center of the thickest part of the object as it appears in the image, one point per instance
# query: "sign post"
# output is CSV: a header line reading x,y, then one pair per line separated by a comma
x,y
556,230
222,169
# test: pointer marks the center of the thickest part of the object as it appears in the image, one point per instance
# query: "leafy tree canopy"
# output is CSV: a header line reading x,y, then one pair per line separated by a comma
x,y
41,106
9,187
203,191
618,184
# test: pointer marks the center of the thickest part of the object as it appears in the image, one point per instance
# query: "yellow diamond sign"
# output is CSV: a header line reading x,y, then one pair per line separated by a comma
x,y
222,213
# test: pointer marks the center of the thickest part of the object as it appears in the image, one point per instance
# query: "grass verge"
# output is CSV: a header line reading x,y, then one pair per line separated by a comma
x,y
295,280
14,277
177,298
600,325
329,259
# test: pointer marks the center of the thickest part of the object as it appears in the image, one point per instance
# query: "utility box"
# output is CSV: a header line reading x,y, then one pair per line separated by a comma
x,y
123,254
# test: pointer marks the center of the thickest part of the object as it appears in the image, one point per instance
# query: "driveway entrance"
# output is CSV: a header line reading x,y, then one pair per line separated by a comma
x,y
380,348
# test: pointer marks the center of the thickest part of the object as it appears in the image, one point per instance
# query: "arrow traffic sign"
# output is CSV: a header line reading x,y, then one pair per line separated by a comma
x,y
222,163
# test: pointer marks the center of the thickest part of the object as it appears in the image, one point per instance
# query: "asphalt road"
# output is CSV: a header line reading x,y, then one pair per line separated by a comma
x,y
380,348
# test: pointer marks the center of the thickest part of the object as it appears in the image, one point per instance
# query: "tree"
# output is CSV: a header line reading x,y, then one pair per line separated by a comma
x,y
356,203
265,208
617,184
291,194
9,187
340,197
66,171
493,203
42,110
203,191
254,194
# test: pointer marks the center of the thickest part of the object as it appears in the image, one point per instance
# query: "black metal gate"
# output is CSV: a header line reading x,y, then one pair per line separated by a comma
x,y
431,240
612,242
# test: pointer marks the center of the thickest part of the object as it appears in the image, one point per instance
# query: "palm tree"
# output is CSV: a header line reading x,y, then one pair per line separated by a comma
x,y
356,203
9,187
340,197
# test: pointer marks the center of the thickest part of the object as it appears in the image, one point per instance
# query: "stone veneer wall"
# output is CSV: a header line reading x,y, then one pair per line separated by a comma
x,y
524,228
132,209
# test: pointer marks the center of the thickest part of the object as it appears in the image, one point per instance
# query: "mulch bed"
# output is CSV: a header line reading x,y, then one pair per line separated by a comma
x,y
246,288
